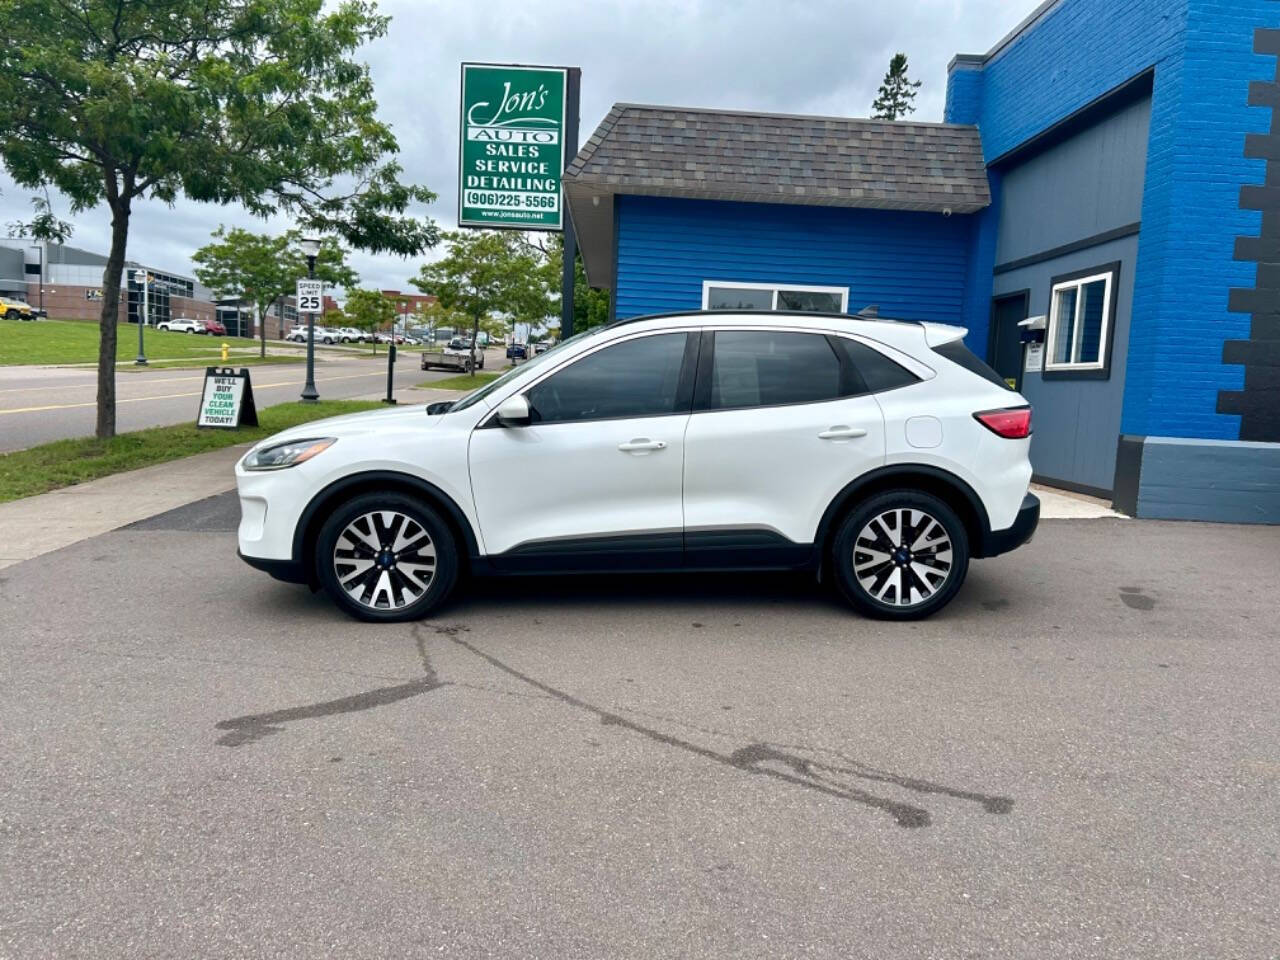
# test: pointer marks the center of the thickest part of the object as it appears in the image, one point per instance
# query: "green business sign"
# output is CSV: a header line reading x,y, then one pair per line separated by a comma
x,y
512,146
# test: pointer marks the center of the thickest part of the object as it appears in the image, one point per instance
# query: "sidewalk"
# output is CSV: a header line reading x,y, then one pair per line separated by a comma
x,y
41,524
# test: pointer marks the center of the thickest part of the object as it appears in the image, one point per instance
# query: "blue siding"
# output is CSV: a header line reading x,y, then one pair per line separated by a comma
x,y
912,264
1201,53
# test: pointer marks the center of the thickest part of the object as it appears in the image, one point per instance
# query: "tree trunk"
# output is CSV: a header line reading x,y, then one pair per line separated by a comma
x,y
475,333
262,327
107,329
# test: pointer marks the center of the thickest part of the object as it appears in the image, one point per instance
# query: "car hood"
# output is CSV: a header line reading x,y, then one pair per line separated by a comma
x,y
355,424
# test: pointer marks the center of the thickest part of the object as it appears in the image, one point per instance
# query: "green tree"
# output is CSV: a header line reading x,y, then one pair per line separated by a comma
x,y
897,96
257,102
369,310
487,274
262,268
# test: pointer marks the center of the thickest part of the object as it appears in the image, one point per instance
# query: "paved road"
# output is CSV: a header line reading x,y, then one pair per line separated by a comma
x,y
40,404
1080,758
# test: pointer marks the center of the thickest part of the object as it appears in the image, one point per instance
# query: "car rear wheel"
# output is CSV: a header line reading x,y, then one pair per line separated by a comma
x,y
386,557
900,555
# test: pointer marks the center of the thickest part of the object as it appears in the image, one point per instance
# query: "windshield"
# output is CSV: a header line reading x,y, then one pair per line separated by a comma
x,y
476,395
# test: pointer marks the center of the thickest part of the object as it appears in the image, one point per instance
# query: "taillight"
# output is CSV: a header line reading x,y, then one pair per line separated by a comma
x,y
1012,424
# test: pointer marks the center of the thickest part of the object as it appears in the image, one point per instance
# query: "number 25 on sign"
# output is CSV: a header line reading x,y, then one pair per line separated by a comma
x,y
310,296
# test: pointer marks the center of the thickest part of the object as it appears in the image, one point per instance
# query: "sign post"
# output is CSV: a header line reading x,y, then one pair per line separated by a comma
x,y
310,298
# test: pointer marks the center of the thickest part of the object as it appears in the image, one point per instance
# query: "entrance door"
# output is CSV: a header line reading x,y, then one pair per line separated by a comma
x,y
1006,337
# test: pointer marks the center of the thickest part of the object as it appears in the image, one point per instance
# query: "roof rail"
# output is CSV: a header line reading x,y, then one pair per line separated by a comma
x,y
861,315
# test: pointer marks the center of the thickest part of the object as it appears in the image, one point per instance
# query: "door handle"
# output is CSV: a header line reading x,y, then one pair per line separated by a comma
x,y
841,432
642,445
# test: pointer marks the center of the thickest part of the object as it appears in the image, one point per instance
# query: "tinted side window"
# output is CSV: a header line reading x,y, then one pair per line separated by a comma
x,y
877,371
766,368
638,378
957,352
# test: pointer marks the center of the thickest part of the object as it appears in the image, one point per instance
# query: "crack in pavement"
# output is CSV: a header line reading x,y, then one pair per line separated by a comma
x,y
776,761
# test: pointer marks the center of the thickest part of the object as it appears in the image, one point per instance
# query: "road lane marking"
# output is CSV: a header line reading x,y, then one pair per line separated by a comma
x,y
175,396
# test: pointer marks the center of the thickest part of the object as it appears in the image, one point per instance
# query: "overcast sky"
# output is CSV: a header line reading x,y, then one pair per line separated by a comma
x,y
814,56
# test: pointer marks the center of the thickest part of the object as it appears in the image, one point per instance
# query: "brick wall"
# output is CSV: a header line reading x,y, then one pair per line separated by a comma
x,y
1202,58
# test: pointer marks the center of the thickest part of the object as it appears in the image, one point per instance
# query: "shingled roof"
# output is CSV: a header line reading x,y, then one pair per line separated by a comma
x,y
768,158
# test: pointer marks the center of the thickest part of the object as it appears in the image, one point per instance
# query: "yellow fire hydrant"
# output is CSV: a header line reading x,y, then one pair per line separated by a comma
x,y
226,351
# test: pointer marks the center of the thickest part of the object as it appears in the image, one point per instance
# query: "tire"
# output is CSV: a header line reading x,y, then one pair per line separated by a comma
x,y
191,332
11,314
900,586
385,597
327,340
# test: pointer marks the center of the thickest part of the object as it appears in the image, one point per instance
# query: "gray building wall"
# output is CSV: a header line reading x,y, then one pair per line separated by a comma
x,y
1077,422
1085,186
13,281
1074,207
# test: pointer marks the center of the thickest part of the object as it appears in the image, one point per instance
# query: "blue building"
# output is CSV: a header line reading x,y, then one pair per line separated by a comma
x,y
1112,166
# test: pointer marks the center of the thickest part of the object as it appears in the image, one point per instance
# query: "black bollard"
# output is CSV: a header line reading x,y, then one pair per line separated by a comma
x,y
391,362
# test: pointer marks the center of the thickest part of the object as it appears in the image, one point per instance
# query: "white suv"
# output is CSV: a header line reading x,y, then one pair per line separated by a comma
x,y
880,452
181,325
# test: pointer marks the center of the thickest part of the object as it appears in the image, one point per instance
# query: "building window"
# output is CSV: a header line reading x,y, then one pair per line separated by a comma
x,y
726,295
1081,318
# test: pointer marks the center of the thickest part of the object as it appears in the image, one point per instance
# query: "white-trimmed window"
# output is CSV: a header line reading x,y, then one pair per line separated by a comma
x,y
1080,318
731,295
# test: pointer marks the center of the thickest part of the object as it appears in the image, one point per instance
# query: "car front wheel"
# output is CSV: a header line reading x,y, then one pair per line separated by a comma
x,y
900,555
386,557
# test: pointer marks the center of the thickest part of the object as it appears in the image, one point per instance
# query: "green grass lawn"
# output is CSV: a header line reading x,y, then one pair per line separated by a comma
x,y
63,463
461,382
76,341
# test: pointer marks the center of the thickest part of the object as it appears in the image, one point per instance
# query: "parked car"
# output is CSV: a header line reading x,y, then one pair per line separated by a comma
x,y
16,309
322,334
882,453
215,328
181,325
542,346
517,351
351,335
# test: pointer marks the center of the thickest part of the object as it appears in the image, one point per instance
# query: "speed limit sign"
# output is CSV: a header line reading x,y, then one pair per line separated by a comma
x,y
310,296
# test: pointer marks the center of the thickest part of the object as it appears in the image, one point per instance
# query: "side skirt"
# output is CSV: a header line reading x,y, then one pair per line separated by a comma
x,y
708,550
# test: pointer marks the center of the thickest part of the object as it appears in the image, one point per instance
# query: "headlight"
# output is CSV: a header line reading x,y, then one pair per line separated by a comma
x,y
287,454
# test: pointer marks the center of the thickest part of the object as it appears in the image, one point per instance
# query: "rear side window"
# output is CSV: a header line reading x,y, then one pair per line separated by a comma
x,y
957,352
770,368
877,372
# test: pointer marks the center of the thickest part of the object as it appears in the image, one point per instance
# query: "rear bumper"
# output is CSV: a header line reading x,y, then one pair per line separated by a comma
x,y
996,542
286,570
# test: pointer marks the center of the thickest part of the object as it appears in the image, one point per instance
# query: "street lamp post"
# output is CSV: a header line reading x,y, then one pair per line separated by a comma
x,y
310,250
40,247
141,359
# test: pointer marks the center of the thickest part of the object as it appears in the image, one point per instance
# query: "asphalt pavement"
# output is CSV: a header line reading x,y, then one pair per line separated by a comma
x,y
1079,758
41,404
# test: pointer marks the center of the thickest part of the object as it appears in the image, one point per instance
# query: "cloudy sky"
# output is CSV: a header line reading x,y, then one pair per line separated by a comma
x,y
793,56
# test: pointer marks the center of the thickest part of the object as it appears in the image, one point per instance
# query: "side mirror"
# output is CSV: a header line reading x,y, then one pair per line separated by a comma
x,y
514,411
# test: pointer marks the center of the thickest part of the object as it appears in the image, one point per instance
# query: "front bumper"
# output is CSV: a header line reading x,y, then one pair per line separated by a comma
x,y
996,542
286,570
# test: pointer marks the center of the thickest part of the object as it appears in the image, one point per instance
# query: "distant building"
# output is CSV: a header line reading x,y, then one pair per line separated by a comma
x,y
66,282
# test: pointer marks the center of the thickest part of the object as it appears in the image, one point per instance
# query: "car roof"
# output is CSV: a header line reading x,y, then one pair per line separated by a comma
x,y
904,334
